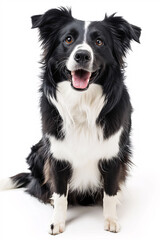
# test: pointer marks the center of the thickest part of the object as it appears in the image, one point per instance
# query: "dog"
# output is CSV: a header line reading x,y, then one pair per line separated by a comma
x,y
85,152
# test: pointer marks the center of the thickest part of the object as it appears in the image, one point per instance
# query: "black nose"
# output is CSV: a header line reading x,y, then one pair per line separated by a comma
x,y
82,56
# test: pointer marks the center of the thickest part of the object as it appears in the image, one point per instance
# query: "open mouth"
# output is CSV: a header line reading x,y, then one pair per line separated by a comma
x,y
80,79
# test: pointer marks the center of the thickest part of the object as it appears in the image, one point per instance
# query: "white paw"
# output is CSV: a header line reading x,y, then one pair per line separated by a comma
x,y
111,225
57,228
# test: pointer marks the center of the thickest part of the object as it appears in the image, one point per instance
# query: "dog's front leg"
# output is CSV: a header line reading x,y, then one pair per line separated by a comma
x,y
62,173
111,171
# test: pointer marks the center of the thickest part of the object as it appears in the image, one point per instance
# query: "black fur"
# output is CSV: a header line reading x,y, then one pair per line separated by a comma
x,y
117,34
36,161
49,112
60,174
114,172
21,179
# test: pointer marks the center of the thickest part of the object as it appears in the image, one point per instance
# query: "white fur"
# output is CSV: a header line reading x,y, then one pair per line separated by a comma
x,y
110,213
83,145
6,184
87,23
59,213
71,63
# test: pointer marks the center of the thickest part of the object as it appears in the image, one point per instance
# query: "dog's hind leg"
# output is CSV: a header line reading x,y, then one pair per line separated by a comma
x,y
38,186
33,181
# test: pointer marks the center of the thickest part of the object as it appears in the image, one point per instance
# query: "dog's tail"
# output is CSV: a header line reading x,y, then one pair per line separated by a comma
x,y
18,181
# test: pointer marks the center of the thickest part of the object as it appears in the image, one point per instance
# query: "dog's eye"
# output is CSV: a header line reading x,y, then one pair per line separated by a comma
x,y
69,40
99,42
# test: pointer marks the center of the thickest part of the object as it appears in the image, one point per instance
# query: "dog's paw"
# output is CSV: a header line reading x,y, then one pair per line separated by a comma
x,y
57,228
111,225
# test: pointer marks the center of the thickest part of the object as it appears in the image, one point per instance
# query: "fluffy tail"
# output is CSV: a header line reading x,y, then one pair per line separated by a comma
x,y
17,181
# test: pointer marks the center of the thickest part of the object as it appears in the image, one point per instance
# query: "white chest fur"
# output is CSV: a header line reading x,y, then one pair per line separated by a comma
x,y
83,145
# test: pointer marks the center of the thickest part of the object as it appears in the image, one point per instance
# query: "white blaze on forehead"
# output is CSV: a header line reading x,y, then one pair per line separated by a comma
x,y
71,63
86,25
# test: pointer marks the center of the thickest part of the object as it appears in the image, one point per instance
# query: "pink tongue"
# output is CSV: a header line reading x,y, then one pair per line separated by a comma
x,y
80,79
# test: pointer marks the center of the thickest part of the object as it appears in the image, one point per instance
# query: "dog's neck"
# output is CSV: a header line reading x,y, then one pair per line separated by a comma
x,y
76,107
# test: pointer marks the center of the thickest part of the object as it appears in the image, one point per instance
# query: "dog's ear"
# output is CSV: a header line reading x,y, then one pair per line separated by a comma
x,y
36,20
122,33
51,21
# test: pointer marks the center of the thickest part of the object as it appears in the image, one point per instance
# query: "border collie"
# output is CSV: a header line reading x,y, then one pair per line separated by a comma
x,y
84,154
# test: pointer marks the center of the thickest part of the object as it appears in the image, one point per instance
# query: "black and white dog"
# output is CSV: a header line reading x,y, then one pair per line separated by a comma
x,y
84,154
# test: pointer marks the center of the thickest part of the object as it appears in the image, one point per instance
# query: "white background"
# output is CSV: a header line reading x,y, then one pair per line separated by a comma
x,y
24,217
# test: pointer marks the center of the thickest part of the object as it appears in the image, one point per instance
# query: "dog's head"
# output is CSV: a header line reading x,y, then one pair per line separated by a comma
x,y
81,52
